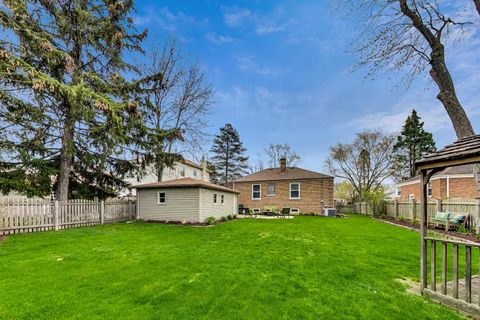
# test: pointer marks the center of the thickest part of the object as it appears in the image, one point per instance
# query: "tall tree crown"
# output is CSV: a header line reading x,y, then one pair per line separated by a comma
x,y
66,107
412,143
229,161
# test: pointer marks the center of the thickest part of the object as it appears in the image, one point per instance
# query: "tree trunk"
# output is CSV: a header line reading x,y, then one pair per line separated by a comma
x,y
441,75
66,158
227,156
477,5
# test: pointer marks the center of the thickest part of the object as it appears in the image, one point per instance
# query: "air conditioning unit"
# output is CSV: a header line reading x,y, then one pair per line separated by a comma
x,y
330,212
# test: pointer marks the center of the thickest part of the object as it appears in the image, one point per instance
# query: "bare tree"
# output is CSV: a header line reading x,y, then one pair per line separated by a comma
x,y
277,151
365,163
257,165
179,100
412,34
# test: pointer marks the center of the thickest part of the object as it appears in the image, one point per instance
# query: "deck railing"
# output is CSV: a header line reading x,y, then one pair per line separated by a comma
x,y
459,293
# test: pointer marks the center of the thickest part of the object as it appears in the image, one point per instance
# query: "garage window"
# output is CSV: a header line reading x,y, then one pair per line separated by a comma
x,y
161,197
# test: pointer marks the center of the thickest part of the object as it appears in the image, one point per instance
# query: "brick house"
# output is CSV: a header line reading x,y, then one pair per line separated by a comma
x,y
301,190
453,182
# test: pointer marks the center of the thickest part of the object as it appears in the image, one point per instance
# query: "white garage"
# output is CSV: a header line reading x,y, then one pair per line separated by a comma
x,y
184,200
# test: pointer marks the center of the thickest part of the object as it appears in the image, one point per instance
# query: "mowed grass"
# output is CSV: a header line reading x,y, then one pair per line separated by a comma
x,y
303,268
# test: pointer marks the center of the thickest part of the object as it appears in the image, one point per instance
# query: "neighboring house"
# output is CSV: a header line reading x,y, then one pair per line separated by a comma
x,y
182,169
301,190
454,182
184,200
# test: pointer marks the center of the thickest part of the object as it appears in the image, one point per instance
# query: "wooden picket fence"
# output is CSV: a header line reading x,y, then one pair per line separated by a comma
x,y
33,215
410,209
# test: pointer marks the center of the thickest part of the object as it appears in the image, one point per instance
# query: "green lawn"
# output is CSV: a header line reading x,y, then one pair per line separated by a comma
x,y
304,268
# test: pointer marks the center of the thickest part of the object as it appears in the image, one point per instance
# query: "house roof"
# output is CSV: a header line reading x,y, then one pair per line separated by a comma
x,y
191,164
463,151
184,183
450,171
291,173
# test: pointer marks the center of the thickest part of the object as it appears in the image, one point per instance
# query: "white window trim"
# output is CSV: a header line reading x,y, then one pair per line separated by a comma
x,y
294,210
259,191
256,210
290,191
215,199
430,186
274,189
158,198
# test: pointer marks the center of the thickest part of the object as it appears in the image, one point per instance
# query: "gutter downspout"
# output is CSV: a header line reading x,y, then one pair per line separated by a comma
x,y
448,187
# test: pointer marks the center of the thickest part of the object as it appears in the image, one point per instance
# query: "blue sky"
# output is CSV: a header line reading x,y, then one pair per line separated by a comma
x,y
282,74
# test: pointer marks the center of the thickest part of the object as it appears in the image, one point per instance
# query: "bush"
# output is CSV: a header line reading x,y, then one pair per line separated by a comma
x,y
210,220
223,219
230,217
416,222
401,218
235,216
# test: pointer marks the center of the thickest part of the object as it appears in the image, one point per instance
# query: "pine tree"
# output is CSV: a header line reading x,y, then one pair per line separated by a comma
x,y
228,162
66,108
411,144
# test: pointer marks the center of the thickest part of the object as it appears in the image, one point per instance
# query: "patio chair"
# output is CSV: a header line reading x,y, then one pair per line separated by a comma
x,y
285,212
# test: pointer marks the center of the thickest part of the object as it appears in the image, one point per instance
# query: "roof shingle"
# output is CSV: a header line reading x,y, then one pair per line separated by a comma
x,y
291,173
184,183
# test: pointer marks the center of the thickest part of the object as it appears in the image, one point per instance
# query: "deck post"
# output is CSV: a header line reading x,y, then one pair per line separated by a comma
x,y
477,220
423,231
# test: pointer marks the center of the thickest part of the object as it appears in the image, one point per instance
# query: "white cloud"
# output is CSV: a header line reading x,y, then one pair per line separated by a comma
x,y
237,16
249,64
219,39
166,20
262,23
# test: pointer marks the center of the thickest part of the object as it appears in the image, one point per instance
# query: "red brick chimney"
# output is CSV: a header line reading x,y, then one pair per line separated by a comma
x,y
283,164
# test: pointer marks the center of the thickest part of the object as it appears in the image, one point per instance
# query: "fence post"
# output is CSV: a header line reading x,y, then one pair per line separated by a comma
x,y
395,209
439,204
102,212
477,220
413,210
56,209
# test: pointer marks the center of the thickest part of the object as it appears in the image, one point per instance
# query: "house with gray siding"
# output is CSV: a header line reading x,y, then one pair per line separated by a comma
x,y
184,200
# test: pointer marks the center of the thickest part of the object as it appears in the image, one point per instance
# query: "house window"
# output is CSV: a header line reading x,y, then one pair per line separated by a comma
x,y
295,190
214,198
195,173
398,192
222,199
429,189
271,189
294,210
256,210
161,198
256,191
182,171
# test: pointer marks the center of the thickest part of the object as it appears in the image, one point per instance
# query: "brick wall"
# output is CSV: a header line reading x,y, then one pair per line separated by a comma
x,y
459,188
312,192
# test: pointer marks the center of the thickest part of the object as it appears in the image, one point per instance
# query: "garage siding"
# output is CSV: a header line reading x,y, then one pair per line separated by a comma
x,y
208,208
182,204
